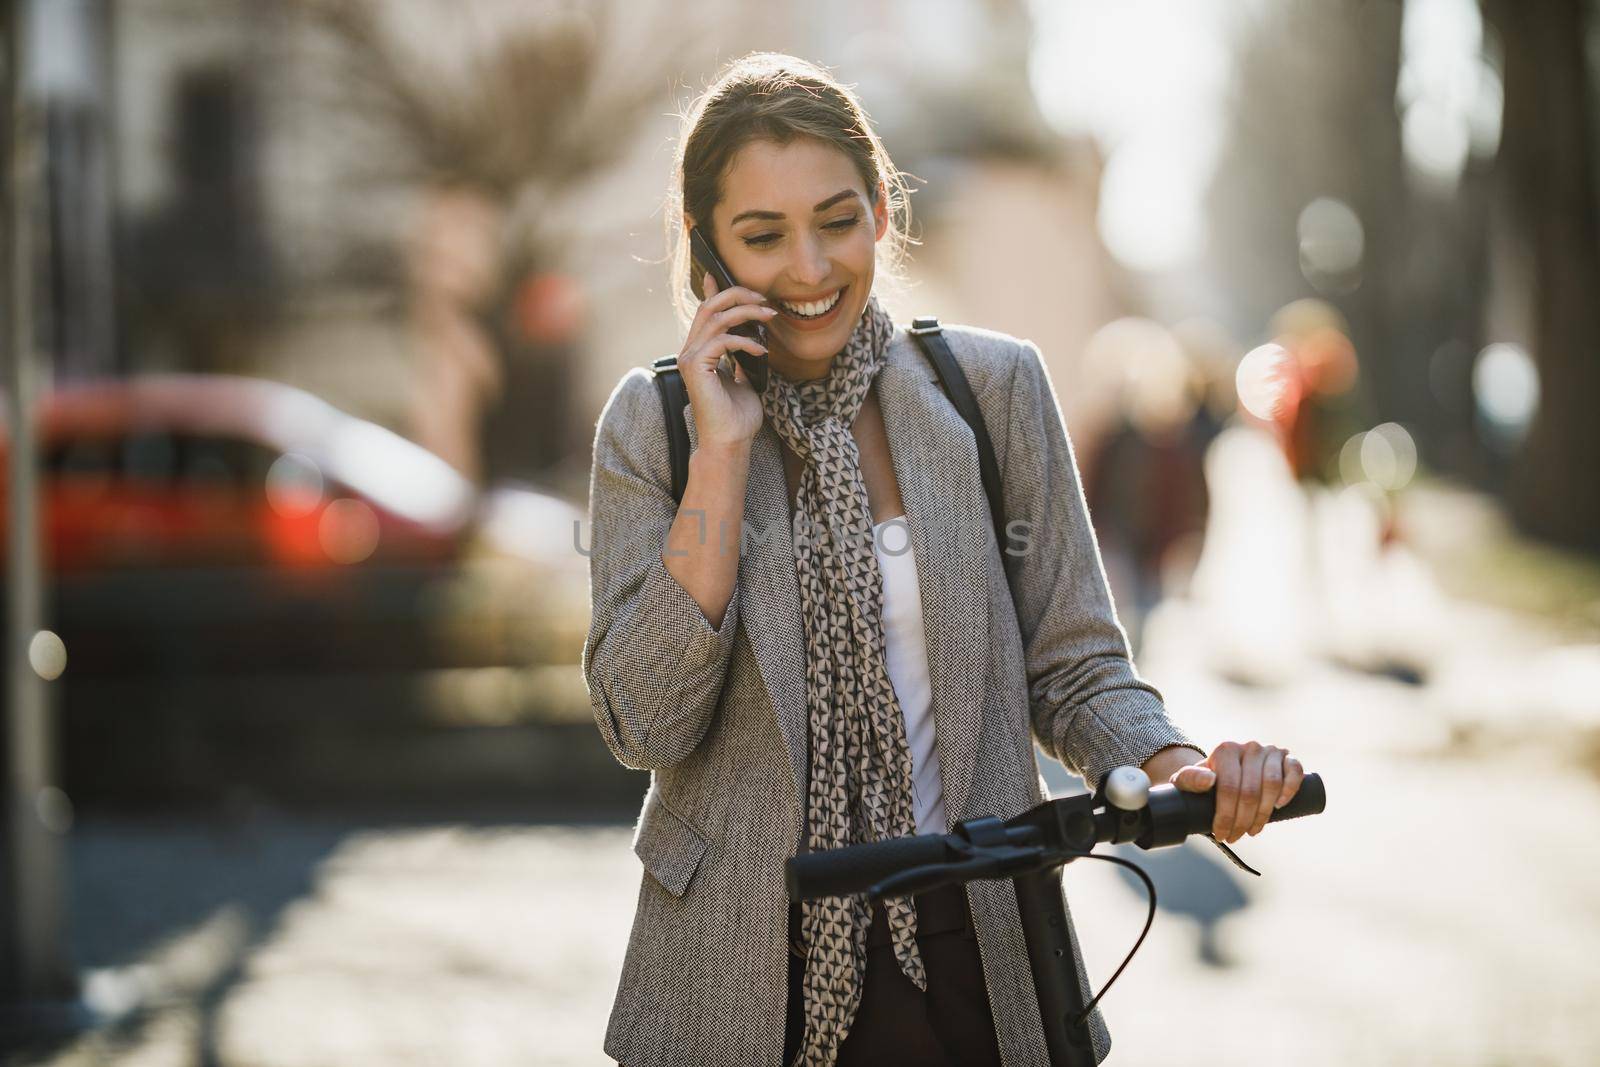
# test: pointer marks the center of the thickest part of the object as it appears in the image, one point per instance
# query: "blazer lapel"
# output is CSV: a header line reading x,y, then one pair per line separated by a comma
x,y
769,596
936,465
770,603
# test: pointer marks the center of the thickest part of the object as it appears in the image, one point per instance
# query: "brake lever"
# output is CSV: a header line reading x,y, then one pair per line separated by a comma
x,y
1234,856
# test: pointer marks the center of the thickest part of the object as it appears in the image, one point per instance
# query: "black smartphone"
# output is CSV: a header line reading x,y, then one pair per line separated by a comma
x,y
705,257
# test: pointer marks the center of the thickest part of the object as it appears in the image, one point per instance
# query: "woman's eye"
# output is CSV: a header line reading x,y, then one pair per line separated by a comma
x,y
763,240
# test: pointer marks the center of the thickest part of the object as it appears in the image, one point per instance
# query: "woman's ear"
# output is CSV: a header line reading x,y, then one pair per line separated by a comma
x,y
880,212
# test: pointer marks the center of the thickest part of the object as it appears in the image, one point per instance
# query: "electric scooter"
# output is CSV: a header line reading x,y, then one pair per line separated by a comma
x,y
1031,849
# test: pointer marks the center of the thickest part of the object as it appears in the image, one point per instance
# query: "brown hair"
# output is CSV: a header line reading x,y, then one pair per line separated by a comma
x,y
772,97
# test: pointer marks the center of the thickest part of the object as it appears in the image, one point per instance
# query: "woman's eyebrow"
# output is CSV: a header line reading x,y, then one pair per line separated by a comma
x,y
825,205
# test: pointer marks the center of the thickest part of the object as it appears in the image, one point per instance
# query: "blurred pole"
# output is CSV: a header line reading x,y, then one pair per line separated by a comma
x,y
1547,174
37,987
67,71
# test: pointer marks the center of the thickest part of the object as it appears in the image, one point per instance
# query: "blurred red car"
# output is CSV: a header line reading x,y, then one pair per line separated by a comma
x,y
258,591
193,470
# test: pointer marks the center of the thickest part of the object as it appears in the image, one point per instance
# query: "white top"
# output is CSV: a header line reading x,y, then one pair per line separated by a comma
x,y
906,652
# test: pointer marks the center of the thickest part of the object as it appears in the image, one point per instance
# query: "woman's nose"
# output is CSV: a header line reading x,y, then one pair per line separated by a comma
x,y
810,266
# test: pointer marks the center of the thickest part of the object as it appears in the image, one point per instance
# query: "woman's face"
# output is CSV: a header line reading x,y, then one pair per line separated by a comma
x,y
795,224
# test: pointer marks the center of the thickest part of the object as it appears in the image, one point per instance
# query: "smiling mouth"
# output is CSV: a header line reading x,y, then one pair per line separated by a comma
x,y
812,309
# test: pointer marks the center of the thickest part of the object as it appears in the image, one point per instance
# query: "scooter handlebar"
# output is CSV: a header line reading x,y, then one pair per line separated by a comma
x,y
1175,814
839,872
1171,816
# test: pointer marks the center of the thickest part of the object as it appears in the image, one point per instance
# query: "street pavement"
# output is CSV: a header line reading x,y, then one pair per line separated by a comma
x,y
1444,910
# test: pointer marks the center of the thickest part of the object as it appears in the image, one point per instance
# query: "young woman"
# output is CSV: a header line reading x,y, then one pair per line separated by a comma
x,y
819,646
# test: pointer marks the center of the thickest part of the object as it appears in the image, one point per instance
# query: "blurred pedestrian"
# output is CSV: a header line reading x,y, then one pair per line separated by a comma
x,y
819,646
1145,482
1319,412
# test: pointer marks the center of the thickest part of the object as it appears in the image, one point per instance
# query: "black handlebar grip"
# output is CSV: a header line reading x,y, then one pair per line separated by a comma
x,y
842,871
1309,799
1175,814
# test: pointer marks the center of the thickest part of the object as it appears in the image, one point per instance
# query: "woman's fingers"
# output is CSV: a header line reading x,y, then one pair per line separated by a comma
x,y
722,299
723,321
1224,760
1271,787
727,342
1238,769
708,317
1293,774
1251,757
697,327
1195,778
706,359
1252,781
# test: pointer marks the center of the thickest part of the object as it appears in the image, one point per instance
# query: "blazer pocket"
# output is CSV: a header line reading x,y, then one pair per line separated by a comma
x,y
669,847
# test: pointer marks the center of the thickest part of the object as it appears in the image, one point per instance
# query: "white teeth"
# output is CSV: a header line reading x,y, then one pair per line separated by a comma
x,y
813,308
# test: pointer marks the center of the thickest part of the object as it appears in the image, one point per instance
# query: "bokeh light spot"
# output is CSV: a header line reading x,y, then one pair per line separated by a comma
x,y
1350,469
1450,96
1435,139
47,655
1505,384
1389,456
294,486
54,810
1267,383
1150,218
1332,242
348,531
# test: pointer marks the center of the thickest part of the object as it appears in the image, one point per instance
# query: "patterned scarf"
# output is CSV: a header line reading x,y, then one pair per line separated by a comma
x,y
860,761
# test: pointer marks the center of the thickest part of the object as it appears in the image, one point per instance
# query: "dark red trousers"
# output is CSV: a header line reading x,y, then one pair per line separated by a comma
x,y
948,1026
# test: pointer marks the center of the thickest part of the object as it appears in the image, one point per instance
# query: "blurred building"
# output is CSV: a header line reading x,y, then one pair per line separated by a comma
x,y
367,201
276,212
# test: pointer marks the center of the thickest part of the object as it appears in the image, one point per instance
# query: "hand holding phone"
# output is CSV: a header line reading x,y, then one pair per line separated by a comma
x,y
727,406
706,260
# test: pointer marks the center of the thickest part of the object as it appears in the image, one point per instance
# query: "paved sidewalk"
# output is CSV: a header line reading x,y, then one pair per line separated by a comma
x,y
1445,910
430,945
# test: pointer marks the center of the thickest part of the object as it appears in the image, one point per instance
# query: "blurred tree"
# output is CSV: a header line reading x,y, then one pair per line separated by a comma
x,y
493,135
541,103
1313,116
1314,119
1546,193
198,280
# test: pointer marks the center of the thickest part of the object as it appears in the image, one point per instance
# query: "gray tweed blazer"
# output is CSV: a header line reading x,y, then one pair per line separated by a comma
x,y
719,716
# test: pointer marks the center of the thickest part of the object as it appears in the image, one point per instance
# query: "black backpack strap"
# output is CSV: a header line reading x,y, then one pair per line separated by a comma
x,y
930,338
674,398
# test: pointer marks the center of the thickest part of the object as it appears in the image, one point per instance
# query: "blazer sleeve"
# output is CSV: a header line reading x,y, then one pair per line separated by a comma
x,y
1088,705
654,665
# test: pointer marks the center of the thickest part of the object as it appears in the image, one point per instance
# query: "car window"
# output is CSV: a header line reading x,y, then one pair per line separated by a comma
x,y
151,459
